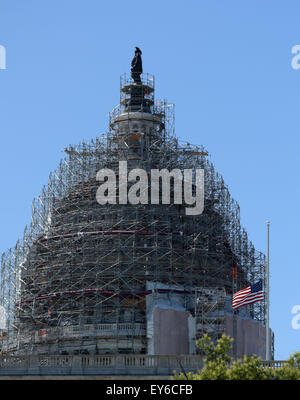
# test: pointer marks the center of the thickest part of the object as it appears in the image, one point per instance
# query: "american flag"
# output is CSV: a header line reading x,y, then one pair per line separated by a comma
x,y
249,295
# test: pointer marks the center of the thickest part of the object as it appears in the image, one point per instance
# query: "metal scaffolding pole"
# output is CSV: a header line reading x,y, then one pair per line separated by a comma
x,y
268,355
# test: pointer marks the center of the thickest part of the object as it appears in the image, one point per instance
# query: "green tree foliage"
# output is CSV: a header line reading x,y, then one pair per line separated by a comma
x,y
291,370
218,365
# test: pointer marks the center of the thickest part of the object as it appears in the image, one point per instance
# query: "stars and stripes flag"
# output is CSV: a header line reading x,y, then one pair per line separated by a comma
x,y
249,295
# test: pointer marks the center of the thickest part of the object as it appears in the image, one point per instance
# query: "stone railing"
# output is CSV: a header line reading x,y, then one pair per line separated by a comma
x,y
98,330
274,363
119,364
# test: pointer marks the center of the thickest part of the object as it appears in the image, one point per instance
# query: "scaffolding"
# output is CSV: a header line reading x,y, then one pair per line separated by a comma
x,y
210,312
76,281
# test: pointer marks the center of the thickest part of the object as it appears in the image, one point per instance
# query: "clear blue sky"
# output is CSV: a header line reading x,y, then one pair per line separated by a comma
x,y
225,64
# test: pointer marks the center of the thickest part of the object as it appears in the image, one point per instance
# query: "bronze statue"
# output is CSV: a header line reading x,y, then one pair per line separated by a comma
x,y
136,66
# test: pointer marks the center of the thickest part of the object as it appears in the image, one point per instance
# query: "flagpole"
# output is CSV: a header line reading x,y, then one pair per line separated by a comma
x,y
234,316
268,294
